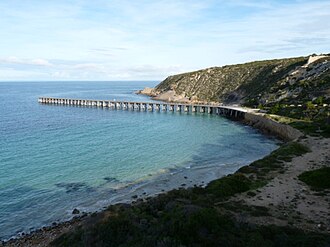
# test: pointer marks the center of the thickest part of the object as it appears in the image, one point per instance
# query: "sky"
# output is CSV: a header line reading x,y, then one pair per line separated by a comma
x,y
152,39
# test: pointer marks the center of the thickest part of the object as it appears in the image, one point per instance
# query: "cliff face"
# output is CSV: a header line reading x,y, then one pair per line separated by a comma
x,y
304,83
250,83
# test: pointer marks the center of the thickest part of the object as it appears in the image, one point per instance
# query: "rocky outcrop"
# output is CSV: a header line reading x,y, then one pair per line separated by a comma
x,y
269,126
148,91
168,96
171,96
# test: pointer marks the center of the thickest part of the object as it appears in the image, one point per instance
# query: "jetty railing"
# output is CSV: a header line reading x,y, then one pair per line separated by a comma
x,y
229,111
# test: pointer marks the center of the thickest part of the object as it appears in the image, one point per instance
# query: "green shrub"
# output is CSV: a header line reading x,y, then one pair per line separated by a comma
x,y
317,179
275,108
316,128
319,100
285,153
229,185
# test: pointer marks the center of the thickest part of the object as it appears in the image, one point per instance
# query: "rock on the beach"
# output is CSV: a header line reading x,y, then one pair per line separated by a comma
x,y
75,211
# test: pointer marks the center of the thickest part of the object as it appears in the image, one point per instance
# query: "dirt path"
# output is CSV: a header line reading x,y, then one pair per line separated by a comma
x,y
290,201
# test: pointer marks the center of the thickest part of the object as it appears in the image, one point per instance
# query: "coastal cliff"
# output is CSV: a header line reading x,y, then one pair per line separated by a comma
x,y
251,84
296,88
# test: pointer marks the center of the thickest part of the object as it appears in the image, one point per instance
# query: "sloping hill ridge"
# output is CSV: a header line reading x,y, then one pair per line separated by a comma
x,y
249,84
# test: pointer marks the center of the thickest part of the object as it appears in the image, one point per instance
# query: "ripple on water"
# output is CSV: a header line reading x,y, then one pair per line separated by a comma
x,y
54,159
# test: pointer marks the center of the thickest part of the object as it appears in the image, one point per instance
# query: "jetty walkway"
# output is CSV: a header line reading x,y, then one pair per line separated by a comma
x,y
229,111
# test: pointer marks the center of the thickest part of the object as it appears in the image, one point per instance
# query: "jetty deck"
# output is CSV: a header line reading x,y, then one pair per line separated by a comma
x,y
229,111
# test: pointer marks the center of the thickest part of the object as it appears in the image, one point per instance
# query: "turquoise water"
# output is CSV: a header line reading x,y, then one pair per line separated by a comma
x,y
56,158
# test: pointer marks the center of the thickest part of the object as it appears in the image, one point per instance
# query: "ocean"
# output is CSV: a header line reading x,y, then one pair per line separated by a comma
x,y
57,158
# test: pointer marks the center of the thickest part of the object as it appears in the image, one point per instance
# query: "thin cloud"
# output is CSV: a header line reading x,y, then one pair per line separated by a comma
x,y
40,62
252,4
15,60
106,51
124,39
89,66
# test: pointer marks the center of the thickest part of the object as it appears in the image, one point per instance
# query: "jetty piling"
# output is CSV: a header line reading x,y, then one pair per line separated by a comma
x,y
228,111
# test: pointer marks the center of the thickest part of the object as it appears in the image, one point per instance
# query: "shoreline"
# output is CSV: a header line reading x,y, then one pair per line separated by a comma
x,y
47,234
252,117
192,177
314,214
161,183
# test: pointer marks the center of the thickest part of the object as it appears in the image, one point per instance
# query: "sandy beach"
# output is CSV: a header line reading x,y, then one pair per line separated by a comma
x,y
169,180
289,200
286,197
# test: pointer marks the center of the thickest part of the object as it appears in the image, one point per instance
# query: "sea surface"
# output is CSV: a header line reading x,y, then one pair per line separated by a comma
x,y
57,158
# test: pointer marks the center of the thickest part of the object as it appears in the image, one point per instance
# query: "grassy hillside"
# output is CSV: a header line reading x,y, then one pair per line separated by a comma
x,y
290,81
298,88
231,83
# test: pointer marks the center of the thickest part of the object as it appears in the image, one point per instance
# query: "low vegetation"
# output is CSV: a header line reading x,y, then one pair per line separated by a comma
x,y
318,179
263,168
194,217
229,185
313,128
183,227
